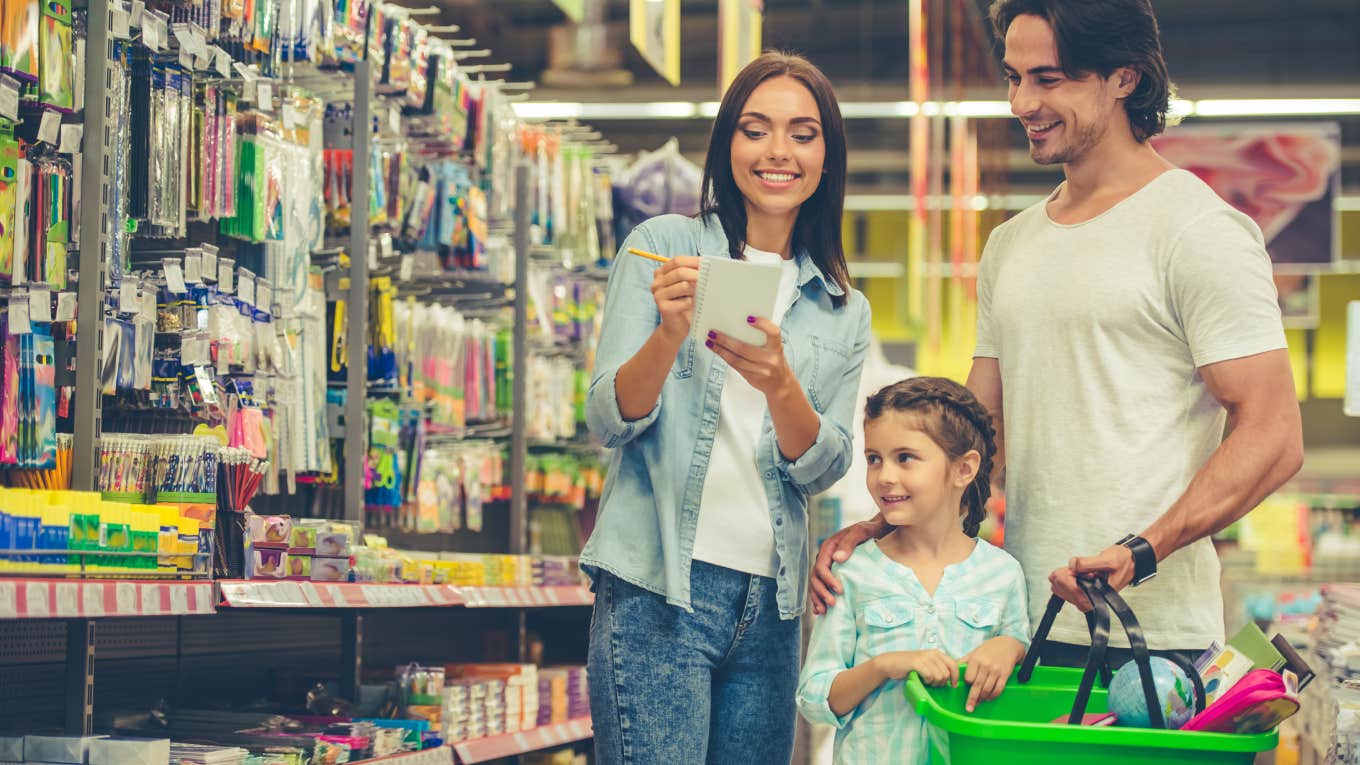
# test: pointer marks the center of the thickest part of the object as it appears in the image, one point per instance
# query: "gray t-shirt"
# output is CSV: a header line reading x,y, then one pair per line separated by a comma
x,y
1100,328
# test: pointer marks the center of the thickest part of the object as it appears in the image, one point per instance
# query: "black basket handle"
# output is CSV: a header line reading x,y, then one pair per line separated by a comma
x,y
1121,609
1104,599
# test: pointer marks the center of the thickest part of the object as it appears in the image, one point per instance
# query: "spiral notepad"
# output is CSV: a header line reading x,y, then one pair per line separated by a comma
x,y
729,291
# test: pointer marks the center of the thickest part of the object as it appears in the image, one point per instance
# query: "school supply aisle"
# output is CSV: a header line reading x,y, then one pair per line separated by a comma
x,y
307,240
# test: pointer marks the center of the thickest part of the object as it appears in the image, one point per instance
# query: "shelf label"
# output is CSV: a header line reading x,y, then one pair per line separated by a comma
x,y
179,600
66,306
9,97
92,599
36,593
151,599
126,597
68,599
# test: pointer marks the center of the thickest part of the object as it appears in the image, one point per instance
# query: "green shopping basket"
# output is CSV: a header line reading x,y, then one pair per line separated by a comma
x,y
1016,728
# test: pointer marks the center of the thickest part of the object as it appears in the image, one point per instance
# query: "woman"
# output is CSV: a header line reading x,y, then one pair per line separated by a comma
x,y
699,556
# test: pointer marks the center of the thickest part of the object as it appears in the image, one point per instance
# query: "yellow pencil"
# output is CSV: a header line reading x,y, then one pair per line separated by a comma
x,y
649,255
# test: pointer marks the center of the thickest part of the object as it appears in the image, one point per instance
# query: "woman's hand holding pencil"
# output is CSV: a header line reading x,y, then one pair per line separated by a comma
x,y
673,286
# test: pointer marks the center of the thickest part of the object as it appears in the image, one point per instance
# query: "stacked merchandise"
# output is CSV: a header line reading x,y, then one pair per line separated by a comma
x,y
282,547
510,693
201,754
557,571
105,538
420,694
1329,718
107,750
491,699
563,695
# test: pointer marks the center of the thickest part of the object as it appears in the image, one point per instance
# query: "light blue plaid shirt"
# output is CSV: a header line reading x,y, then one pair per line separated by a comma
x,y
885,609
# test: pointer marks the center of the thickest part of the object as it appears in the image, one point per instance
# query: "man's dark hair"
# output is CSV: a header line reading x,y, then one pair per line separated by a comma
x,y
1101,36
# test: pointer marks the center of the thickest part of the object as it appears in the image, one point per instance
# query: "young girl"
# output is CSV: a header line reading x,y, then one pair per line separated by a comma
x,y
928,595
699,556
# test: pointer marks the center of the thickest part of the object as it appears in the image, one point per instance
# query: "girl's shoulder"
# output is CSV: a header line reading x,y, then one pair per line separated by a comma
x,y
990,561
863,575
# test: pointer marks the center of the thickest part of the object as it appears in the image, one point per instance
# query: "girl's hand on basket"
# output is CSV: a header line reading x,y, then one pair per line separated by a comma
x,y
989,667
934,667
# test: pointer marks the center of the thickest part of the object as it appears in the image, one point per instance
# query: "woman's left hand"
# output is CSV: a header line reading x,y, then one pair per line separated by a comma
x,y
764,367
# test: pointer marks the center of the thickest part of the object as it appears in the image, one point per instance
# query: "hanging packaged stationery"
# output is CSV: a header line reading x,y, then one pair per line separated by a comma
x,y
336,318
141,103
50,236
383,484
382,362
449,103
382,42
40,450
9,190
9,390
422,68
24,209
120,170
20,29
56,80
229,142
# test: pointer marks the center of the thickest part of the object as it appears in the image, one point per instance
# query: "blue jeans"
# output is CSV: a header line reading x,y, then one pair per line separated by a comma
x,y
717,685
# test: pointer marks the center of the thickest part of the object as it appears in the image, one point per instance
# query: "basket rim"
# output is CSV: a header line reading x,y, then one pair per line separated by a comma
x,y
963,724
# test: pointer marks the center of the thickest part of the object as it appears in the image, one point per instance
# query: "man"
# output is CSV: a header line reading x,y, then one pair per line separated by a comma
x,y
1121,322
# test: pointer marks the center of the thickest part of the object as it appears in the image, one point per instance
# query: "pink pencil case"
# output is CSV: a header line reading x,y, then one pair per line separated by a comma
x,y
1255,704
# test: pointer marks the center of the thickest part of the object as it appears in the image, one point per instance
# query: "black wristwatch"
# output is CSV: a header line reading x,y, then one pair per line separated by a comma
x,y
1144,558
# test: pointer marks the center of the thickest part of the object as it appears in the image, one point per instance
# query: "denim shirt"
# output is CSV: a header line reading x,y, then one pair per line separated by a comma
x,y
650,507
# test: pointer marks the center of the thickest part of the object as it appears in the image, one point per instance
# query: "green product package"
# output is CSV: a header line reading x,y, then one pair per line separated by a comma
x,y
56,71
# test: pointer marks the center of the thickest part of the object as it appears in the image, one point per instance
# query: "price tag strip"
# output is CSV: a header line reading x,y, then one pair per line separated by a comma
x,y
61,598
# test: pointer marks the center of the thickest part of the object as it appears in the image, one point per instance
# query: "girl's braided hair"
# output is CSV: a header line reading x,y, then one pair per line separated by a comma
x,y
956,421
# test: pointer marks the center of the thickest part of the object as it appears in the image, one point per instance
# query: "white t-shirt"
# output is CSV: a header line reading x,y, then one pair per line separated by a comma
x,y
1100,328
734,528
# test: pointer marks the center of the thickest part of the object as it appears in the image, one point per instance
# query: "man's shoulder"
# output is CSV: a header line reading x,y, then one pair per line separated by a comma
x,y
1183,196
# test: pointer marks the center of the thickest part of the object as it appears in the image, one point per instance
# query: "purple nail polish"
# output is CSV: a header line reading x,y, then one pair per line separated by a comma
x,y
708,343
712,335
750,320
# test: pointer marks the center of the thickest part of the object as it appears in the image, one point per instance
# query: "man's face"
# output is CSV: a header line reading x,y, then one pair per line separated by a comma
x,y
1064,118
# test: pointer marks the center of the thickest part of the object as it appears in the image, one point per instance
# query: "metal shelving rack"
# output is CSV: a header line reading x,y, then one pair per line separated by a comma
x,y
88,400
80,633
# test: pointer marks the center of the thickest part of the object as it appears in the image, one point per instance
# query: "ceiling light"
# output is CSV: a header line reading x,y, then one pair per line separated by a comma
x,y
1254,107
1275,107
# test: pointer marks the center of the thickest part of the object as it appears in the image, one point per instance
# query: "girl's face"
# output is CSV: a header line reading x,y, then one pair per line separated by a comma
x,y
778,150
913,481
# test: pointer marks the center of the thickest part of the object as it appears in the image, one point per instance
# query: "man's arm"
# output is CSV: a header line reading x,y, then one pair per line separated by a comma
x,y
1263,451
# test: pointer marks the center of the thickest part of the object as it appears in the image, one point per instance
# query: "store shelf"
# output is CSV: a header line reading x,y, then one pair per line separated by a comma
x,y
511,744
67,599
440,756
526,597
287,594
